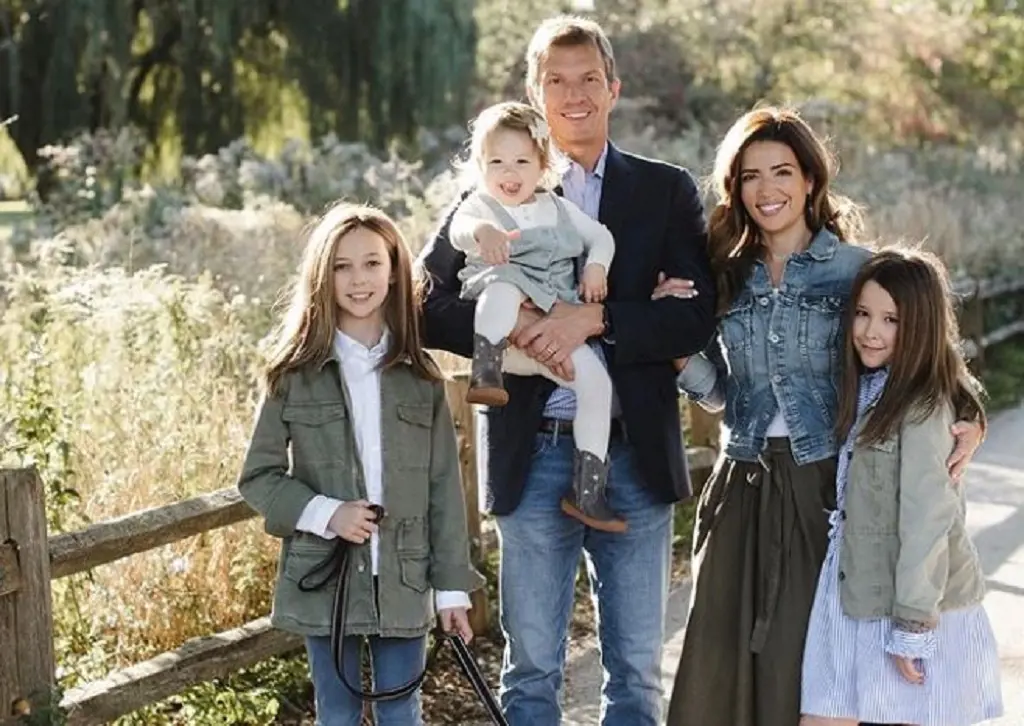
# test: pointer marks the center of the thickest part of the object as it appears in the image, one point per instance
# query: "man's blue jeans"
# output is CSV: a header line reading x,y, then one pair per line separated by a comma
x,y
629,578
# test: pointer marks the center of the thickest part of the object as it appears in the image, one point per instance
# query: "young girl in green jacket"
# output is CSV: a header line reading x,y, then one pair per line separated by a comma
x,y
353,422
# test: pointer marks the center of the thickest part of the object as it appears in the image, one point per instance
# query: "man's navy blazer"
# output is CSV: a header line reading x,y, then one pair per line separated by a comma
x,y
655,213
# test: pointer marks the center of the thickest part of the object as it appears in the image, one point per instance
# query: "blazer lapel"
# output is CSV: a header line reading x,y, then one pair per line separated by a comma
x,y
616,198
616,191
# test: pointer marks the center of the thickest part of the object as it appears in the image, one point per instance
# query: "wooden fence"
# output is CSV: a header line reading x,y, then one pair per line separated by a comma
x,y
993,311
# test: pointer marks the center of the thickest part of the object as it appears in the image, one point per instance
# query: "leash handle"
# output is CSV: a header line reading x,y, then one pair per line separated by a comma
x,y
471,670
337,562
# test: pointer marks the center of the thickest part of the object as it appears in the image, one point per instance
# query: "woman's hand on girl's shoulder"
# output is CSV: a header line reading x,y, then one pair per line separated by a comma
x,y
353,521
968,435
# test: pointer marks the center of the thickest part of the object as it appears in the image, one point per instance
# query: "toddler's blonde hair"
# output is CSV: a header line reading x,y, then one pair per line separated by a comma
x,y
512,116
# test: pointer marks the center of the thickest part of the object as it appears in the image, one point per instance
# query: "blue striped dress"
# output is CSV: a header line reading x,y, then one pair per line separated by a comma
x,y
848,671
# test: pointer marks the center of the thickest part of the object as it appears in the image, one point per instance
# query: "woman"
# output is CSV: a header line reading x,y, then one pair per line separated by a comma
x,y
778,242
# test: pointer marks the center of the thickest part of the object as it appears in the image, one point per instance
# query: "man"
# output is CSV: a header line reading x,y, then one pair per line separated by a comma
x,y
655,213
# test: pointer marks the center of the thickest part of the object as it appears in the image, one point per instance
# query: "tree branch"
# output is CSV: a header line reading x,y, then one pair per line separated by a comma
x,y
145,63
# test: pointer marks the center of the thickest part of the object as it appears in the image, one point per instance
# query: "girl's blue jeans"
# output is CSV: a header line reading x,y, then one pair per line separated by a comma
x,y
395,661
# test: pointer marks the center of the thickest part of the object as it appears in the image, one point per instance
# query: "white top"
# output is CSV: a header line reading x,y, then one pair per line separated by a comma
x,y
542,212
360,367
778,428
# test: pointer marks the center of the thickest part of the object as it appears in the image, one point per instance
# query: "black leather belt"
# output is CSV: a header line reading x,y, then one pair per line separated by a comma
x,y
564,426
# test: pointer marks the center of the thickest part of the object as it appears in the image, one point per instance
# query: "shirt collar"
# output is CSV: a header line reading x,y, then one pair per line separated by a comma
x,y
823,245
346,347
576,170
872,383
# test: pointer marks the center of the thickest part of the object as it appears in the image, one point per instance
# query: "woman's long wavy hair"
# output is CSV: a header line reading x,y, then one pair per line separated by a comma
x,y
734,240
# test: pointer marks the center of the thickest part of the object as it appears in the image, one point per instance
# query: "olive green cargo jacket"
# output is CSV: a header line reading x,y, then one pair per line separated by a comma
x,y
304,444
905,552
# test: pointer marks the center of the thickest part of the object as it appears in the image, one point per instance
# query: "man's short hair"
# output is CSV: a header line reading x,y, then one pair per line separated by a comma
x,y
564,31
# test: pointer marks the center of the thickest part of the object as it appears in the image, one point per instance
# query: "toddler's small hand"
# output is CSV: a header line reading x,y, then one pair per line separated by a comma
x,y
353,521
495,244
594,285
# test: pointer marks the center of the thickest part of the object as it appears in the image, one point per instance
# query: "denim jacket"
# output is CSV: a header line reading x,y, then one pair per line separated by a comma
x,y
781,348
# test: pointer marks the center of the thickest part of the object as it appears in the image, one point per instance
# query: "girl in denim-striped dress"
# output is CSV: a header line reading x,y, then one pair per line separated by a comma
x,y
897,633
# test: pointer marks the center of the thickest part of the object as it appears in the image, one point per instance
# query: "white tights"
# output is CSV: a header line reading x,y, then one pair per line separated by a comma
x,y
497,309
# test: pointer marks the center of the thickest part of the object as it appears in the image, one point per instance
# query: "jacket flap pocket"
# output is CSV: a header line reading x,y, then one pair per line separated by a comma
x,y
306,552
412,537
888,446
744,302
828,304
313,414
418,414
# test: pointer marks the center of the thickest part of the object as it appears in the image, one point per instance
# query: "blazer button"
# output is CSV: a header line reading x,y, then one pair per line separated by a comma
x,y
362,567
843,515
842,576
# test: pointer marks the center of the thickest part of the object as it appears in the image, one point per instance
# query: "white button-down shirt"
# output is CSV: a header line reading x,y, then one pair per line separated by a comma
x,y
360,369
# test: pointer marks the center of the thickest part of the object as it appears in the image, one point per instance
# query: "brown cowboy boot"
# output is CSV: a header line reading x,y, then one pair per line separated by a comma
x,y
588,503
485,382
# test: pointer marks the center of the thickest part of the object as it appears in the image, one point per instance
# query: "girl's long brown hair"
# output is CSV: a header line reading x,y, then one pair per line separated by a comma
x,y
305,336
734,243
926,370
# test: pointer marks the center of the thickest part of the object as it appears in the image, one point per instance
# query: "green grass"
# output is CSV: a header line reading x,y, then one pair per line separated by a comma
x,y
10,214
1004,374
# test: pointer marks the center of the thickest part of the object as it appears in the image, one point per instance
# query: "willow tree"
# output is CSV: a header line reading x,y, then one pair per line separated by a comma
x,y
205,70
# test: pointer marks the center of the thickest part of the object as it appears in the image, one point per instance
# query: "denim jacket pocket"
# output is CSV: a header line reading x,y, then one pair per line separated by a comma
x,y
737,330
820,318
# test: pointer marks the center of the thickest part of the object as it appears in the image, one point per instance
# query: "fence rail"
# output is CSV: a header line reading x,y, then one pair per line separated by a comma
x,y
992,312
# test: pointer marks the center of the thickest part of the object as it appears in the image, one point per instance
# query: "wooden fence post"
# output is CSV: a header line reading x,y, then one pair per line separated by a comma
x,y
465,431
26,610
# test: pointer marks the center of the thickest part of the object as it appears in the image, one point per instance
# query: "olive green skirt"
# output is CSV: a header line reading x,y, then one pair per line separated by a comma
x,y
759,542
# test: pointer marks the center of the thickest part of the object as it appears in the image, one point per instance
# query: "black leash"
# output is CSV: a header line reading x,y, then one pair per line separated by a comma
x,y
337,562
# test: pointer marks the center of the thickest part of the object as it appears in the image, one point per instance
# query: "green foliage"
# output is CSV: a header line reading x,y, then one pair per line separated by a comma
x,y
188,69
257,696
132,308
1003,376
984,80
38,427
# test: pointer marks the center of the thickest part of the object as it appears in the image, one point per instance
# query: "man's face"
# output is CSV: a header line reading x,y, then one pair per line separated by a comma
x,y
576,95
